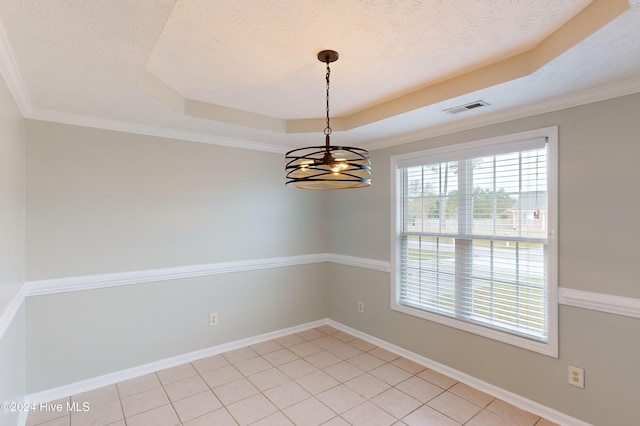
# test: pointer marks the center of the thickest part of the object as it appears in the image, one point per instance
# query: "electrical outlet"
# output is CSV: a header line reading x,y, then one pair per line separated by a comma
x,y
213,320
576,376
360,306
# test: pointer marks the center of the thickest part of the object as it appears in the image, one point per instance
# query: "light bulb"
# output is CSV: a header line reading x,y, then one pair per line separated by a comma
x,y
304,165
342,163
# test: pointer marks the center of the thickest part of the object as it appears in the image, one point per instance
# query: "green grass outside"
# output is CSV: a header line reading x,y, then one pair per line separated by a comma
x,y
523,306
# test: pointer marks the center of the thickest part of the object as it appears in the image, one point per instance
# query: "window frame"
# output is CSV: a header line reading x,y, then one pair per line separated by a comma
x,y
550,347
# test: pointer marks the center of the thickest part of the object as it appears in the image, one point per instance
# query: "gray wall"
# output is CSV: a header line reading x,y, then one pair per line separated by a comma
x,y
598,247
102,202
12,366
12,224
95,332
12,204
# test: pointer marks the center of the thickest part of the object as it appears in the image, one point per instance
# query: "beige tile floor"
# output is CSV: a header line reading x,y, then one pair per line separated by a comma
x,y
320,376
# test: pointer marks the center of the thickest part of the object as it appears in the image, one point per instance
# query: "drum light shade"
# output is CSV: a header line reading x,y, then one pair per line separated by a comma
x,y
328,167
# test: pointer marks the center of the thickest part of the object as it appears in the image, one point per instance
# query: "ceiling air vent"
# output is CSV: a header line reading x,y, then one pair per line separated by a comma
x,y
461,108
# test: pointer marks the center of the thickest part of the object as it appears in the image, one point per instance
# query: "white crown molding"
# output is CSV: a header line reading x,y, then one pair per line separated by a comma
x,y
618,305
11,74
601,93
14,81
12,77
584,97
148,130
566,36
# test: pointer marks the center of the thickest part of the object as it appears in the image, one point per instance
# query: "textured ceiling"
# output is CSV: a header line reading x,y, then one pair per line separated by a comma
x,y
244,72
262,59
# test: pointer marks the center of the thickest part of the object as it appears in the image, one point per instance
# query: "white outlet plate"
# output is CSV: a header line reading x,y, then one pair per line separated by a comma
x,y
213,320
360,306
576,376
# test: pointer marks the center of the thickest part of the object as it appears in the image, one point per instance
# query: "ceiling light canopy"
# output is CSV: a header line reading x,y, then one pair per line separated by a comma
x,y
328,167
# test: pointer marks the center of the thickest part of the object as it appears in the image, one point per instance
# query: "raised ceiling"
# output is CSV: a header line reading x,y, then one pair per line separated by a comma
x,y
244,73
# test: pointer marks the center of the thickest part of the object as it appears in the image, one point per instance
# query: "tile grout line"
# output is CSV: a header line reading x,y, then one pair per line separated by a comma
x,y
341,358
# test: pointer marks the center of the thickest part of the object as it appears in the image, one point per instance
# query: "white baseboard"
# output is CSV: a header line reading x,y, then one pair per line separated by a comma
x,y
618,305
130,373
109,379
495,391
22,419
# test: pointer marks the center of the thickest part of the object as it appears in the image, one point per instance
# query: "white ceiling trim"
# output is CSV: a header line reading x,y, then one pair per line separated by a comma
x,y
583,25
148,130
16,86
614,90
585,97
12,76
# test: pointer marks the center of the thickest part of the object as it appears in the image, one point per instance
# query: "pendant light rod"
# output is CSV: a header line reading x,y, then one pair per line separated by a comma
x,y
328,56
328,167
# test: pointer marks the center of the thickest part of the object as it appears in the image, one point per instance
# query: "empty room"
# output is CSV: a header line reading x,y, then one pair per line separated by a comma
x,y
380,212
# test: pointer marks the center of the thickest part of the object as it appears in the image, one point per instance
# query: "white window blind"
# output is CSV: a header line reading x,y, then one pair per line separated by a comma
x,y
473,234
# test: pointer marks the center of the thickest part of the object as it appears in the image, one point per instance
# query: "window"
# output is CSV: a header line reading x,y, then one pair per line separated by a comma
x,y
475,242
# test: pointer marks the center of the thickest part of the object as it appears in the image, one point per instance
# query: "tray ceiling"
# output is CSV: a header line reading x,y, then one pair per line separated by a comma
x,y
244,73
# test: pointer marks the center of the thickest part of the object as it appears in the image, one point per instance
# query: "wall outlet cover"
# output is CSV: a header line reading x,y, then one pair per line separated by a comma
x,y
576,376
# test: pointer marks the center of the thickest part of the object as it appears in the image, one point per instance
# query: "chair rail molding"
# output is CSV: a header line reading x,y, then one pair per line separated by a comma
x,y
618,305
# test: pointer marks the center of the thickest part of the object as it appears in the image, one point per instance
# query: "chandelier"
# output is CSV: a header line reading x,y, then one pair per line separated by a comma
x,y
328,167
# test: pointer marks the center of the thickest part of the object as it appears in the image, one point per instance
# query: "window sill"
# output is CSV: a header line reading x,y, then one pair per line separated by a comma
x,y
549,348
